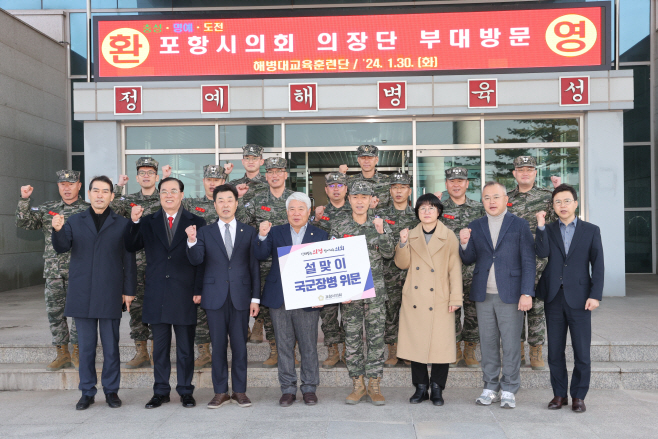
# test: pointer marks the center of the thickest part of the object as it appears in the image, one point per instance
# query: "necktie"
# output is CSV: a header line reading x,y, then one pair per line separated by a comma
x,y
228,241
171,221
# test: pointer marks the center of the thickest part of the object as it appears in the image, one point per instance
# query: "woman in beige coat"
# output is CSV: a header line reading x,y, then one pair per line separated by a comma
x,y
431,295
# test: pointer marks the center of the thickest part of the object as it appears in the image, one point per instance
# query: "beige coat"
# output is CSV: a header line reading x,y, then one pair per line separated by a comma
x,y
434,282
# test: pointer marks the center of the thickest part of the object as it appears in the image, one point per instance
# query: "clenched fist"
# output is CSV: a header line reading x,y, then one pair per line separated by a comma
x,y
191,234
123,179
556,180
343,169
541,218
26,191
136,212
264,228
374,201
464,236
319,212
404,235
58,222
379,225
242,189
438,194
166,171
228,167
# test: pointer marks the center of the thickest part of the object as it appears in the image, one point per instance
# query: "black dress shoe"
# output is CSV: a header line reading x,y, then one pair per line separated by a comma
x,y
187,401
578,405
112,399
157,401
84,402
437,394
420,395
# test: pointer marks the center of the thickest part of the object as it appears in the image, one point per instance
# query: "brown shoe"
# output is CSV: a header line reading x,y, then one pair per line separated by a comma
x,y
536,358
469,354
578,405
204,359
333,357
358,391
460,357
392,360
310,398
557,403
256,334
273,360
219,400
375,391
75,357
287,399
141,358
241,399
62,360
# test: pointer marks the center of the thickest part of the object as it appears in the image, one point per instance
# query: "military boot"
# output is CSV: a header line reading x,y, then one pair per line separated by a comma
x,y
75,357
522,354
333,357
536,358
204,359
342,358
256,335
392,355
141,358
62,360
460,357
375,391
358,391
469,355
274,356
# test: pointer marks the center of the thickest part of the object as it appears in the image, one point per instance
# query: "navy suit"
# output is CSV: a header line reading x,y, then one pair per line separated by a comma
x,y
229,285
171,283
565,286
101,271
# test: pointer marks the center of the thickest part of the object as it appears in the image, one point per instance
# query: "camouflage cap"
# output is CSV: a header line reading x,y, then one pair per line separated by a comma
x,y
400,178
362,187
367,151
214,171
457,173
275,163
66,175
525,160
252,149
335,177
147,162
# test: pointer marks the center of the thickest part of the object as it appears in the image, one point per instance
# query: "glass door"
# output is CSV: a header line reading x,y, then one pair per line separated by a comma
x,y
431,165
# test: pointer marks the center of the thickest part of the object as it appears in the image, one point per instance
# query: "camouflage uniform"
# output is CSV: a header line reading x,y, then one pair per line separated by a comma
x,y
371,312
122,205
265,207
56,266
257,183
397,220
526,205
380,182
205,208
456,217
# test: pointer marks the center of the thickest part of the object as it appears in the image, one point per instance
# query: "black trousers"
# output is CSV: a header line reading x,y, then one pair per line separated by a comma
x,y
439,375
184,358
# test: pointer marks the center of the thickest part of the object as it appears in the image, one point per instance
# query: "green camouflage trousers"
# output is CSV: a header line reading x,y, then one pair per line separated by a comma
x,y
264,312
202,334
55,301
331,328
394,278
536,325
356,315
469,331
138,330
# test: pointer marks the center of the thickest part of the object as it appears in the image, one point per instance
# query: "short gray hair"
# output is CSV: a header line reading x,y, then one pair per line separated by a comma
x,y
299,196
494,183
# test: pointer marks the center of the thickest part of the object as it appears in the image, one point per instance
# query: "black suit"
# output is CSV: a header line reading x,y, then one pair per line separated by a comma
x,y
101,271
229,285
565,286
171,283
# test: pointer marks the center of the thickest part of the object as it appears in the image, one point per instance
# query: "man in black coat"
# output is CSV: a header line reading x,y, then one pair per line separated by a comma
x,y
574,249
173,288
102,277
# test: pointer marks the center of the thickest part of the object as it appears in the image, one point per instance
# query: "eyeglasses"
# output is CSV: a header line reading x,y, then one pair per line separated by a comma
x,y
566,202
336,185
488,199
143,173
172,192
275,171
251,159
428,209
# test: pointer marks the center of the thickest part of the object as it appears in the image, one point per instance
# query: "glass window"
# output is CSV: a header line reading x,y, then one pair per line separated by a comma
x,y
634,30
78,164
558,162
448,133
144,3
77,136
20,4
219,3
637,176
188,168
637,122
236,136
348,134
638,242
430,174
531,131
171,137
78,24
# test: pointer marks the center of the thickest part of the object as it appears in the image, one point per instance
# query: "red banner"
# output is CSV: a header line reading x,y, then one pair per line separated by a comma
x,y
386,44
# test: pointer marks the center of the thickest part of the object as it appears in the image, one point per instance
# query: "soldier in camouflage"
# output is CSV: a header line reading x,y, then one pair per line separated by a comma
x,y
399,216
458,212
149,198
371,312
334,334
525,201
252,182
367,156
56,266
268,205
